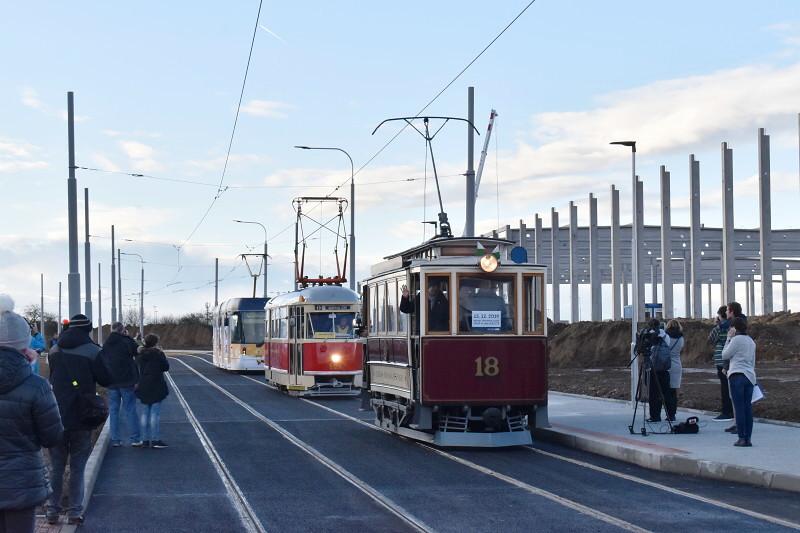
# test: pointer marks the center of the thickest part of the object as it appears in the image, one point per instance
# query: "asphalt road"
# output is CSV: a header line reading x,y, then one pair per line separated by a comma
x,y
244,457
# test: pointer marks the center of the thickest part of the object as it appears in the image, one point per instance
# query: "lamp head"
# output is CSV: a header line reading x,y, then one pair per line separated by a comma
x,y
631,144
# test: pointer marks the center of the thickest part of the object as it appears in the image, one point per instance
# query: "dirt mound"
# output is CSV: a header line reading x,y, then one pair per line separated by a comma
x,y
175,336
607,344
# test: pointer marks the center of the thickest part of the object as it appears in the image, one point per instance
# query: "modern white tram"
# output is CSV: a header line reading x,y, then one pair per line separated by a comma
x,y
239,332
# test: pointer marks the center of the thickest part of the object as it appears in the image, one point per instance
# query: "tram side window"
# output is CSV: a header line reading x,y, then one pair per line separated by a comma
x,y
438,304
381,302
233,324
534,304
283,324
373,309
402,318
391,306
485,304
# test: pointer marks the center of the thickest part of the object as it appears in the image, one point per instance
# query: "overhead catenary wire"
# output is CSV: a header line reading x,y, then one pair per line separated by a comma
x,y
436,97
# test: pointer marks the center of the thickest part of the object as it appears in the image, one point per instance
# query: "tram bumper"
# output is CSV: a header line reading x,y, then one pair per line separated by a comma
x,y
482,440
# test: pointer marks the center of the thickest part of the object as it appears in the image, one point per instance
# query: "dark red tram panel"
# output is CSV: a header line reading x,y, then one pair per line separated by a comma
x,y
487,371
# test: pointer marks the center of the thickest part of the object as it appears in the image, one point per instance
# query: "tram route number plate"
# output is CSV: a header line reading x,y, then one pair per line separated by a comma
x,y
331,307
486,319
390,375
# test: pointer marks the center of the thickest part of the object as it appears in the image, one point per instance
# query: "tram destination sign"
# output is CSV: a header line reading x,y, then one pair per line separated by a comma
x,y
332,307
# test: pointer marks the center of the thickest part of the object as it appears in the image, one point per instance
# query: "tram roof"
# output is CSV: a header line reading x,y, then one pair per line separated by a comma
x,y
320,294
243,304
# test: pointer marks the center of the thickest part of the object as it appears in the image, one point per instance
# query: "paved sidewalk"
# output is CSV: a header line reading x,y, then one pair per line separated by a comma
x,y
601,426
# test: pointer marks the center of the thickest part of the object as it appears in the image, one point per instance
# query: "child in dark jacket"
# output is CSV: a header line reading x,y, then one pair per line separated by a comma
x,y
151,390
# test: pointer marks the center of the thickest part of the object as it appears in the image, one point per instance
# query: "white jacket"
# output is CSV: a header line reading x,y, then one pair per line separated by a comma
x,y
741,352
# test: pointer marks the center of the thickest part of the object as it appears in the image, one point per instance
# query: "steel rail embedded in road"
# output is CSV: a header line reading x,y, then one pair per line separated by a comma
x,y
237,498
339,470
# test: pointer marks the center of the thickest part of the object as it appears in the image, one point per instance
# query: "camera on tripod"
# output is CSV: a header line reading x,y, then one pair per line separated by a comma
x,y
648,337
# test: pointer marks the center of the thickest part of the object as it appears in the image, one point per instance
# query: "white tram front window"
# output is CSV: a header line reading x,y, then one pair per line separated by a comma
x,y
485,304
330,325
248,327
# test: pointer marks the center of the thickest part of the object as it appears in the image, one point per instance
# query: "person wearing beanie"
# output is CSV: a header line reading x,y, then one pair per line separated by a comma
x,y
30,418
75,371
151,391
119,355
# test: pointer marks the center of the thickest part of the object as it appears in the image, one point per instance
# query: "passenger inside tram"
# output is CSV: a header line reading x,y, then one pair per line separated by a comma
x,y
484,305
438,311
330,325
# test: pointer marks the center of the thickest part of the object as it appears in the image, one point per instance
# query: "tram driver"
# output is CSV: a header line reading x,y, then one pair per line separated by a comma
x,y
344,325
438,311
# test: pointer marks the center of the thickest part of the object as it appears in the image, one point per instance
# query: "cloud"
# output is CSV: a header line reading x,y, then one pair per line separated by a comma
x,y
105,163
142,156
267,109
31,99
216,163
16,156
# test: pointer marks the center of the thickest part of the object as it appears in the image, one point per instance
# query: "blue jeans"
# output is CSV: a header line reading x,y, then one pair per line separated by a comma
x,y
742,395
127,399
75,447
150,418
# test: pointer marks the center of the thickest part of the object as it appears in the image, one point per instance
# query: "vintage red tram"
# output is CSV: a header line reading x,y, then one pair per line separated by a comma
x,y
311,347
457,343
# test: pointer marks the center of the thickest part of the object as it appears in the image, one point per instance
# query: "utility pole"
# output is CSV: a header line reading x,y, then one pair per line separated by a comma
x,y
119,285
41,309
99,305
141,306
113,280
74,277
216,281
87,309
469,227
59,308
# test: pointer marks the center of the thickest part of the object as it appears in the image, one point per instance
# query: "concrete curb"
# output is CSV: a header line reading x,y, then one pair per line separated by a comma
x,y
686,409
669,462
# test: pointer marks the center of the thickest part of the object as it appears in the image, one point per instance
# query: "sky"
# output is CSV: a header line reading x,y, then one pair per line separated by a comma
x,y
157,84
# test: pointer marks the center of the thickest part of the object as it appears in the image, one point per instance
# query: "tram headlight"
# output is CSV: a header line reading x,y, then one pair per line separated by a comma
x,y
336,358
489,263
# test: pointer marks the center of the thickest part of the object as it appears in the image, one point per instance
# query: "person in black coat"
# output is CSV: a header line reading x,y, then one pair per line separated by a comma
x,y
28,420
75,370
119,355
151,391
438,311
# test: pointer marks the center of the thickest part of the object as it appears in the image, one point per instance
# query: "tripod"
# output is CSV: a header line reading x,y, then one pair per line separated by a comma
x,y
646,374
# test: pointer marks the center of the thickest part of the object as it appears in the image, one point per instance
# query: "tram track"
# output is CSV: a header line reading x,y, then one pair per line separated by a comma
x,y
513,480
382,500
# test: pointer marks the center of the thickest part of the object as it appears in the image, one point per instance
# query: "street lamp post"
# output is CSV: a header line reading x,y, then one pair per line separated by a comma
x,y
635,303
352,275
141,296
266,254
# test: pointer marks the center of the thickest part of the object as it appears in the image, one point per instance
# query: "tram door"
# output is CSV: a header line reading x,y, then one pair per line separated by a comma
x,y
295,344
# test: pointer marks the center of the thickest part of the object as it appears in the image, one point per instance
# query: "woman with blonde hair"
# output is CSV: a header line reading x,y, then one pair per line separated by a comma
x,y
674,338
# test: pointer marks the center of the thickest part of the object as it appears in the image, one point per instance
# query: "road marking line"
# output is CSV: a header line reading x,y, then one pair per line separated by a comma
x,y
575,506
237,498
678,492
628,477
367,489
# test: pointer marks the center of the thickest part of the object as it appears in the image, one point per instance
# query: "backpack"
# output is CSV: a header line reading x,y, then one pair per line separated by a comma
x,y
660,356
91,407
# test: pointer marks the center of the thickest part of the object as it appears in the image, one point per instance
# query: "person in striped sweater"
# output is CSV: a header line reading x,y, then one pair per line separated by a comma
x,y
717,338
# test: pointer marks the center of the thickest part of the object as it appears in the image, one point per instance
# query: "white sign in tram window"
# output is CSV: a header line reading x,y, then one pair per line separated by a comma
x,y
486,319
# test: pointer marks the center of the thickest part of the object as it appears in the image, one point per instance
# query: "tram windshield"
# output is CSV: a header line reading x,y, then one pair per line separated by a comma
x,y
330,325
248,327
485,304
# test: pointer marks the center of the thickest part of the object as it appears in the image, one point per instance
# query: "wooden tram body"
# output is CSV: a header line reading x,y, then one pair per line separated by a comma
x,y
478,378
311,346
238,334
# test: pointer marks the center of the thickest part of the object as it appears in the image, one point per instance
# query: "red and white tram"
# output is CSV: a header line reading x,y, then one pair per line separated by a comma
x,y
311,345
462,359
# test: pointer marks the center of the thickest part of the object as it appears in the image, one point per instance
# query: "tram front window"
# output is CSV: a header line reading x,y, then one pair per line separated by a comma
x,y
330,325
248,327
485,305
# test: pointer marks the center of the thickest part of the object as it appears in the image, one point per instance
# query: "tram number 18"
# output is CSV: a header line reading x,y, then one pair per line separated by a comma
x,y
486,366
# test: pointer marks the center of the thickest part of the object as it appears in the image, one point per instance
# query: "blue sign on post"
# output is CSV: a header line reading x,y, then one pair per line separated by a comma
x,y
519,254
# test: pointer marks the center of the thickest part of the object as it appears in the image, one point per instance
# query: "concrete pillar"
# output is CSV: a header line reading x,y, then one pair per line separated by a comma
x,y
765,216
537,238
594,262
784,292
752,289
573,262
728,262
640,239
687,293
522,234
616,267
694,239
555,277
710,311
624,289
666,245
748,302
653,282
